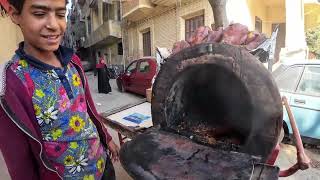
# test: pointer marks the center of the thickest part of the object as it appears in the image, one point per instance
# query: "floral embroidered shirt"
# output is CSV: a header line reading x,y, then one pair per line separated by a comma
x,y
71,140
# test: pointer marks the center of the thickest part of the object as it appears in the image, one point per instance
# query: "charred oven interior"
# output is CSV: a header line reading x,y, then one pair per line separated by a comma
x,y
209,104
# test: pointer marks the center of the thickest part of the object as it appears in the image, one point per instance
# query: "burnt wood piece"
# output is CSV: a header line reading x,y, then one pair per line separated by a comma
x,y
160,155
215,84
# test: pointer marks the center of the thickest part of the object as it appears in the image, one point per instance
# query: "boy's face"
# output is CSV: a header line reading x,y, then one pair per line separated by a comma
x,y
42,23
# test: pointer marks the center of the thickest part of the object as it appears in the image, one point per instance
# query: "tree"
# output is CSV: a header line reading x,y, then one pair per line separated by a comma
x,y
219,12
313,41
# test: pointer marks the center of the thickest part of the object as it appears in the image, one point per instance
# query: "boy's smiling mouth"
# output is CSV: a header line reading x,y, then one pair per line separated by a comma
x,y
51,38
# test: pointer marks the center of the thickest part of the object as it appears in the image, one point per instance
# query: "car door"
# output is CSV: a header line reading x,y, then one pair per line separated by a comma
x,y
144,76
305,103
130,76
287,82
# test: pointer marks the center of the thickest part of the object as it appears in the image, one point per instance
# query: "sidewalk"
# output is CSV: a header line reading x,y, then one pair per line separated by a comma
x,y
107,102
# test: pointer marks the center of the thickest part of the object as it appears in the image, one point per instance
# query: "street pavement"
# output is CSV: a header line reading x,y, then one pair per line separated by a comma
x,y
287,158
110,101
107,102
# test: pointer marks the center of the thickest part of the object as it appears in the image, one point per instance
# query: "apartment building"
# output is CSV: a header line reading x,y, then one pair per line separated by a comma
x,y
160,23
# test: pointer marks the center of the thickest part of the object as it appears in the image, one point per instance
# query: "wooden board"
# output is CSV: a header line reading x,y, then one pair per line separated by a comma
x,y
143,109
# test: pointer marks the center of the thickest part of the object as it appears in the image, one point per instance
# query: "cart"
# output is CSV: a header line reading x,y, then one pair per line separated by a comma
x,y
124,119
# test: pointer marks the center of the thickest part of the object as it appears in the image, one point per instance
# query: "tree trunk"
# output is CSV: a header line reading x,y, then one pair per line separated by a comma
x,y
219,12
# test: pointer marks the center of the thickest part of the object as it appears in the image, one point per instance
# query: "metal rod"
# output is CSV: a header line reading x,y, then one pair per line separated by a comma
x,y
303,161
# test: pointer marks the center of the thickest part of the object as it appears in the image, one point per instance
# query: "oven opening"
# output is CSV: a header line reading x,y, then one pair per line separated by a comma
x,y
210,105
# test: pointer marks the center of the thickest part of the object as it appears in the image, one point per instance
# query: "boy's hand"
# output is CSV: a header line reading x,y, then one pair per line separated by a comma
x,y
114,151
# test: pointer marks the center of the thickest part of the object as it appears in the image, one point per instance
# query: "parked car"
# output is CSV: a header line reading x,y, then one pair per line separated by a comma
x,y
300,83
138,76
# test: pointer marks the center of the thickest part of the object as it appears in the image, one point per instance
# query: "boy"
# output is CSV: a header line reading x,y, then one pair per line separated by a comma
x,y
49,128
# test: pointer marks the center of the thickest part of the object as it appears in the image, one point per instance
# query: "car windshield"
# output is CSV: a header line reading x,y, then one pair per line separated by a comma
x,y
132,67
310,82
288,77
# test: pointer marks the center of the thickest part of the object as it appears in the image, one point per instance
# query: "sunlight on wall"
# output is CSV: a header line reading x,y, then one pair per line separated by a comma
x,y
311,15
10,36
234,7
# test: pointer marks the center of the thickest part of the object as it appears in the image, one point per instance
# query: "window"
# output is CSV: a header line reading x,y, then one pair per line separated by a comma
x,y
118,10
107,12
310,82
89,25
193,24
146,43
132,67
120,49
288,79
258,24
144,67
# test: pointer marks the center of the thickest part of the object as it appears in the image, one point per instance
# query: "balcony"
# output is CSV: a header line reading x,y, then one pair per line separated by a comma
x,y
134,10
108,33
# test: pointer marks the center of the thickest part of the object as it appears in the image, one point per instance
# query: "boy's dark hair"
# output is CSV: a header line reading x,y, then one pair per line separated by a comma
x,y
18,4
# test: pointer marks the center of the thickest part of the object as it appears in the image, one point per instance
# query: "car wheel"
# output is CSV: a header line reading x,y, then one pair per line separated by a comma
x,y
286,139
120,87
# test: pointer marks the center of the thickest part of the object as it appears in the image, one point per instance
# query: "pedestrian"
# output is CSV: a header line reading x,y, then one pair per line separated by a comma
x,y
103,76
50,128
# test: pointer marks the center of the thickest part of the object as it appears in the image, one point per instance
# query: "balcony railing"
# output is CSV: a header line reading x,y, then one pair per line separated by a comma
x,y
169,3
164,2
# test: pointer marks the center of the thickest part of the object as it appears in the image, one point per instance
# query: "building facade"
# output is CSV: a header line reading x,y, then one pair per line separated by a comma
x,y
103,29
160,23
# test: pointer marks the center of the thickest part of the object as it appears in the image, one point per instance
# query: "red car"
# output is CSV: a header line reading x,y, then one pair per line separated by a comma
x,y
138,76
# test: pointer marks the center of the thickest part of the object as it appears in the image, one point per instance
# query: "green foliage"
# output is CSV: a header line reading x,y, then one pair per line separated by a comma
x,y
313,40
